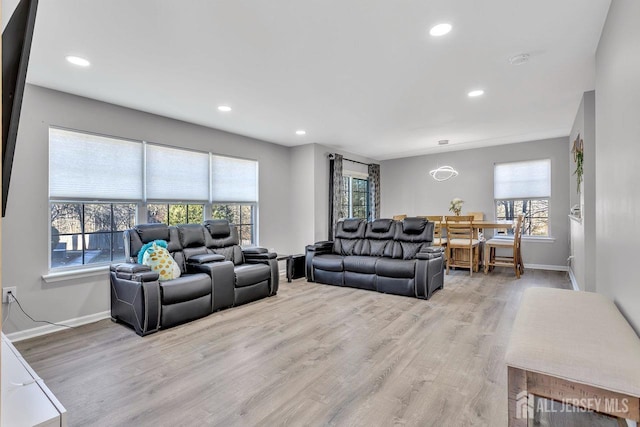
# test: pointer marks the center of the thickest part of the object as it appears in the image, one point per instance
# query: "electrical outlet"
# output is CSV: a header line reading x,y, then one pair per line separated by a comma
x,y
5,293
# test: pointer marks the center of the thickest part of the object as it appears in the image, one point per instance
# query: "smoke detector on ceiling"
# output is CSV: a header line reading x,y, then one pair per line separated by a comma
x,y
519,59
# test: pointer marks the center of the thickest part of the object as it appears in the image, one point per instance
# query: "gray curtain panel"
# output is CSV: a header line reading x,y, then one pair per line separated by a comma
x,y
374,192
336,189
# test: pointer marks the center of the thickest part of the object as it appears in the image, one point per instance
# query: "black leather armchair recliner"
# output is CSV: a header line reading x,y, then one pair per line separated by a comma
x,y
255,269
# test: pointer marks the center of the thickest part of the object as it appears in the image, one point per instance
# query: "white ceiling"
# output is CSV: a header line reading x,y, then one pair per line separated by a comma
x,y
359,75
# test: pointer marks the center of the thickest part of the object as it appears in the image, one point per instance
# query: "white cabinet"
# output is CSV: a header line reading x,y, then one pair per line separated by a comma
x,y
26,400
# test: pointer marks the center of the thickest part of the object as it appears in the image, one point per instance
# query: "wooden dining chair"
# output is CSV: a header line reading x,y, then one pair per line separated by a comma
x,y
463,248
399,217
477,216
514,259
438,239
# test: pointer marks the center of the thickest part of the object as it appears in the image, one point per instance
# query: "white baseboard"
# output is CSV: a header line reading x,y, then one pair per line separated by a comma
x,y
547,267
574,282
48,329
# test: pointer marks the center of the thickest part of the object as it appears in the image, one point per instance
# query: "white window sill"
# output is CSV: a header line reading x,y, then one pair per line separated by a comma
x,y
60,276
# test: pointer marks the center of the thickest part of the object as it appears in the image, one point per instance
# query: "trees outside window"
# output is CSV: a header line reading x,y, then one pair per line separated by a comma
x,y
355,197
536,215
242,215
89,233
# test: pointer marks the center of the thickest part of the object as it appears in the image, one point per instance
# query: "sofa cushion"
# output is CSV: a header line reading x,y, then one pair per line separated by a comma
x,y
347,246
360,264
397,268
350,229
185,288
230,253
376,248
150,232
328,262
351,224
250,274
396,286
380,229
219,228
413,225
220,233
414,230
193,252
191,235
381,225
407,250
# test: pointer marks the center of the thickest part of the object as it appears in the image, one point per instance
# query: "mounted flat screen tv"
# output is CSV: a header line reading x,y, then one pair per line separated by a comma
x,y
16,45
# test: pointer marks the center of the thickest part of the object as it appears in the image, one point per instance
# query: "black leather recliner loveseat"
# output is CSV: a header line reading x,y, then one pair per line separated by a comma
x,y
384,255
216,273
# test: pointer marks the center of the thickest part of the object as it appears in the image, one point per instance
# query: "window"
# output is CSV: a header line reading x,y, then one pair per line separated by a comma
x,y
243,216
96,184
89,233
172,214
536,215
355,197
524,188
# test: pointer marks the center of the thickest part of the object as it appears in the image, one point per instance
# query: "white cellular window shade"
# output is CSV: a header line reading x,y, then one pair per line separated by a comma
x,y
522,180
233,180
174,174
84,166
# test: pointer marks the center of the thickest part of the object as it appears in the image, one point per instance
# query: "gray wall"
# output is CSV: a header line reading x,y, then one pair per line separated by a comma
x,y
310,191
407,188
617,153
583,232
26,226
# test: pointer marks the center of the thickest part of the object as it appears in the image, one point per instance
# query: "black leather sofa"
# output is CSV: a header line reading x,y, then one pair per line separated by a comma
x,y
216,273
384,255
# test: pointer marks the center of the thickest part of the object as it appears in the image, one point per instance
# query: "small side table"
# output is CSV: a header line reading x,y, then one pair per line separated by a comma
x,y
295,267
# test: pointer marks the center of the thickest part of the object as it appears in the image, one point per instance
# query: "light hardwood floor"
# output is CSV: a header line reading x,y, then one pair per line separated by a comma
x,y
312,355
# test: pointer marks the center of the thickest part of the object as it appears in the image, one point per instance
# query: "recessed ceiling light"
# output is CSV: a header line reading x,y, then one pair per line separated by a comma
x,y
443,142
475,93
440,30
76,60
301,132
224,108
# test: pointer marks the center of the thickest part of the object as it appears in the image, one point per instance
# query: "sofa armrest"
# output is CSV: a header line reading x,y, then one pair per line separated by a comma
x,y
135,272
223,281
255,250
258,254
204,258
135,297
430,253
324,246
321,246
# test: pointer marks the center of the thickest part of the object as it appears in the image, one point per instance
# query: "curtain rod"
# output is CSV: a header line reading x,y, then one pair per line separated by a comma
x,y
331,156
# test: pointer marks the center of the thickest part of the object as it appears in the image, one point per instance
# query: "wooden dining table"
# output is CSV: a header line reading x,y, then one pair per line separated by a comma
x,y
482,225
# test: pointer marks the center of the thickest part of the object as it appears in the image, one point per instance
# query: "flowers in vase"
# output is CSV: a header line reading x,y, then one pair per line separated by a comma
x,y
456,205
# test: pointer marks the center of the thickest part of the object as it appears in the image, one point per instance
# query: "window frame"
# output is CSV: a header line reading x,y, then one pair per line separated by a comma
x,y
253,217
527,195
348,178
141,205
83,234
528,219
168,205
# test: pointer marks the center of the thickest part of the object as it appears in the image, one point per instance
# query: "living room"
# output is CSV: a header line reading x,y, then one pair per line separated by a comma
x,y
292,203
